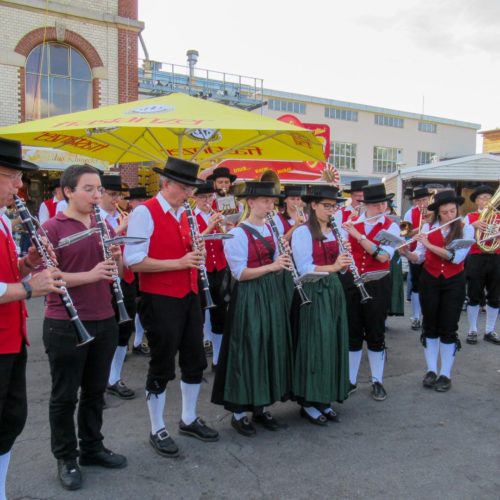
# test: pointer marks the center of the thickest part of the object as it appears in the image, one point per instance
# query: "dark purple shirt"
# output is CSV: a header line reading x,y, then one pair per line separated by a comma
x,y
93,301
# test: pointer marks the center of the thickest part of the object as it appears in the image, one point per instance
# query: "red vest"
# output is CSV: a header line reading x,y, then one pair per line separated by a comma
x,y
170,240
325,252
363,260
346,214
216,260
13,314
474,249
286,225
51,207
258,254
434,264
415,222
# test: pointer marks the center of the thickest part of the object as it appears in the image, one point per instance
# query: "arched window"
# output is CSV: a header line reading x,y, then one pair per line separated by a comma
x,y
58,80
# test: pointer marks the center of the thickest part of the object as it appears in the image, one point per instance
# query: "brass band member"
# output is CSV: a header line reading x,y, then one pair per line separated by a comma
x,y
367,321
255,366
321,372
416,216
50,207
293,211
483,274
352,211
15,287
168,282
442,287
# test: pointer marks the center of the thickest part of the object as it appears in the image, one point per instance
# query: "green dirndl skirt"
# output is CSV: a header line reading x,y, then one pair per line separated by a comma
x,y
397,305
259,355
321,373
288,287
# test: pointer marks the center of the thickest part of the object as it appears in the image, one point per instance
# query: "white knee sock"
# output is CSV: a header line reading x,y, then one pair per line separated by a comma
x,y
312,412
491,318
415,305
432,354
4,467
216,343
472,314
190,394
354,362
207,328
447,358
376,360
239,416
115,373
139,331
156,406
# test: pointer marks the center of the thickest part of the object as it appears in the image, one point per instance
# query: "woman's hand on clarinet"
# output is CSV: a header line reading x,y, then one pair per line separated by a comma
x,y
192,260
343,261
282,262
47,281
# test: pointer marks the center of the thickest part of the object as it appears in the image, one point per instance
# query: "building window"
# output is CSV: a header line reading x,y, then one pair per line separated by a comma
x,y
343,155
385,160
424,157
427,127
288,106
341,114
58,80
389,121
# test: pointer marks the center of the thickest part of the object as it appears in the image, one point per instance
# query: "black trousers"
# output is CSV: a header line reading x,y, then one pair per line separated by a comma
x,y
173,325
13,406
415,271
125,330
483,274
72,368
367,321
217,280
441,300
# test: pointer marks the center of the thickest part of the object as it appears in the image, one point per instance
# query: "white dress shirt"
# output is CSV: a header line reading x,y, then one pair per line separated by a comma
x,y
140,224
236,249
6,220
459,254
279,224
393,229
43,211
205,215
111,219
407,216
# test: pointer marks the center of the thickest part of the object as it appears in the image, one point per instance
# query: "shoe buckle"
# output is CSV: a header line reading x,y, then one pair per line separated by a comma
x,y
163,434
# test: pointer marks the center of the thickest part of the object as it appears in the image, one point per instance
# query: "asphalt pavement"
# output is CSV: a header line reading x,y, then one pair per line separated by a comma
x,y
418,444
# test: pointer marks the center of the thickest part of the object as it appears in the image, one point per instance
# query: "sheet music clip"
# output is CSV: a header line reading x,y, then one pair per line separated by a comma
x,y
460,244
312,277
388,239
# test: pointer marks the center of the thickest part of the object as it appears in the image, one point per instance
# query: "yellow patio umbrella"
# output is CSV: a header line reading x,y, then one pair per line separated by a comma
x,y
171,125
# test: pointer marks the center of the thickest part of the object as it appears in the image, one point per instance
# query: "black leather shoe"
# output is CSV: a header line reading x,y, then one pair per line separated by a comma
x,y
492,337
120,390
443,384
416,324
378,392
320,420
266,420
163,444
208,348
429,380
104,458
352,389
471,338
141,350
199,430
243,427
331,415
69,474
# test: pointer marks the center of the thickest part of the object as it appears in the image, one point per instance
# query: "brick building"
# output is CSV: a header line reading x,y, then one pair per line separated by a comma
x,y
65,56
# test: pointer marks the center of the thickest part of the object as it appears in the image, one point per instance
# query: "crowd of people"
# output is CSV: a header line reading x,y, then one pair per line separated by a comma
x,y
269,342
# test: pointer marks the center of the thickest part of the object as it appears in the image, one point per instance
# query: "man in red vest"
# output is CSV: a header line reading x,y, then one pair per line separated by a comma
x,y
367,321
209,222
14,289
168,281
483,274
50,207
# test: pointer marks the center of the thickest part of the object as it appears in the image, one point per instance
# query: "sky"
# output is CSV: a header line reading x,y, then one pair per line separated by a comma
x,y
439,57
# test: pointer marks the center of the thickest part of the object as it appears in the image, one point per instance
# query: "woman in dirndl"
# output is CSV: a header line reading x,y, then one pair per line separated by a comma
x,y
321,337
255,363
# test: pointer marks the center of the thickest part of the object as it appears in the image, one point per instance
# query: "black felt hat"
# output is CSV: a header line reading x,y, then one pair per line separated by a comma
x,y
254,189
483,189
11,156
206,188
375,193
444,197
357,185
420,192
222,172
183,171
294,190
322,192
137,193
113,182
54,183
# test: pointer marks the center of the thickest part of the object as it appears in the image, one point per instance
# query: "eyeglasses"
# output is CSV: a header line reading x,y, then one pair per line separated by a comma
x,y
204,196
92,189
328,206
113,195
13,177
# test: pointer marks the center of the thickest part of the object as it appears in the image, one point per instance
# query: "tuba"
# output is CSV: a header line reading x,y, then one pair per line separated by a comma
x,y
491,215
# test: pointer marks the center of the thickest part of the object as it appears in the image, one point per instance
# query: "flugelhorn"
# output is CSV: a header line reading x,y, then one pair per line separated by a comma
x,y
491,215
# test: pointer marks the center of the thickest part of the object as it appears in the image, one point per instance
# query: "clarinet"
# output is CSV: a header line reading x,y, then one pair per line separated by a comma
x,y
304,299
195,236
123,316
358,280
83,337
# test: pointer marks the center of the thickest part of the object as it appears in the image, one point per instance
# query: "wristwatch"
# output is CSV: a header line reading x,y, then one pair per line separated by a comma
x,y
362,238
28,289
